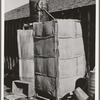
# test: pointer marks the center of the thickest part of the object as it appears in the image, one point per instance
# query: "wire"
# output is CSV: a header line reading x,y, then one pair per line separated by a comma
x,y
40,9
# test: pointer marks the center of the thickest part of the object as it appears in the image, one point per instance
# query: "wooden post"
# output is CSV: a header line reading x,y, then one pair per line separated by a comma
x,y
36,14
88,38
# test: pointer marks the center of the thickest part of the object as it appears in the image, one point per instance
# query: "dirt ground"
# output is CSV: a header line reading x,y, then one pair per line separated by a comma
x,y
8,94
8,78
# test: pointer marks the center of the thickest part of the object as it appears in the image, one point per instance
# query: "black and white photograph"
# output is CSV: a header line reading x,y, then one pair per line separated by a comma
x,y
50,50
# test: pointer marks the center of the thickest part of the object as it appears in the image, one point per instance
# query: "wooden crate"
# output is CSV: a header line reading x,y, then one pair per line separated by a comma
x,y
23,87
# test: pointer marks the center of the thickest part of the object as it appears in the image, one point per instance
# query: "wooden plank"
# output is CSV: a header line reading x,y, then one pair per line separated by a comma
x,y
40,97
84,22
88,42
92,36
56,59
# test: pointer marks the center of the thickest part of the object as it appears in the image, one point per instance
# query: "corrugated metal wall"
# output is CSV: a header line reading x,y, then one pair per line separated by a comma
x,y
85,14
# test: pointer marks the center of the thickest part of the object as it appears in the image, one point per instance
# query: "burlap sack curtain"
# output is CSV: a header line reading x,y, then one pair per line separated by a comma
x,y
60,52
25,39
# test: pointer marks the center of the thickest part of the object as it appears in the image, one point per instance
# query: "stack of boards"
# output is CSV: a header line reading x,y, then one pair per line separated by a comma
x,y
52,55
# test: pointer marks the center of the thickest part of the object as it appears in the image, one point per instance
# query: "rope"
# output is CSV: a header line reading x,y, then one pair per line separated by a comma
x,y
49,14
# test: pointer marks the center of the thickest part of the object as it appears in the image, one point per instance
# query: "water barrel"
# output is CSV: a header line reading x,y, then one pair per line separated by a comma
x,y
91,83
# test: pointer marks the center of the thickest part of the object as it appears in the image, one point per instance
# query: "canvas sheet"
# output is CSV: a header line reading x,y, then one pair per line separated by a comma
x,y
46,84
45,47
45,66
26,70
25,44
69,28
